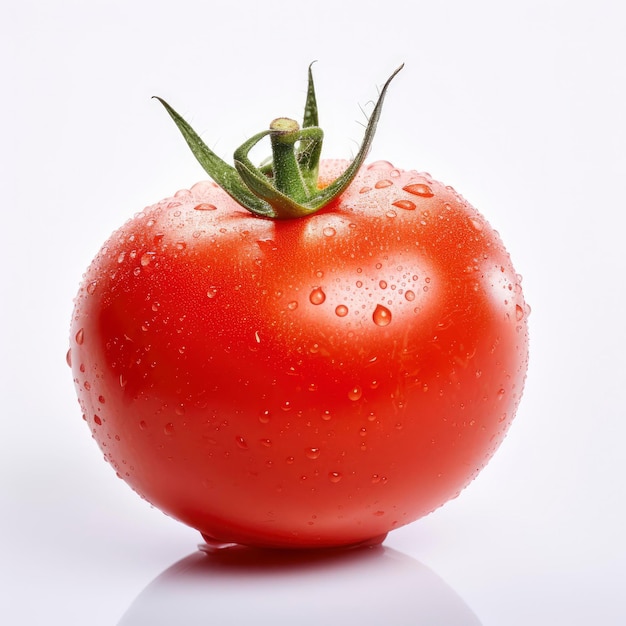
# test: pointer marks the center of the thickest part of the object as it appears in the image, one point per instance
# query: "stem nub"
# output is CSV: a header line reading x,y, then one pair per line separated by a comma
x,y
286,187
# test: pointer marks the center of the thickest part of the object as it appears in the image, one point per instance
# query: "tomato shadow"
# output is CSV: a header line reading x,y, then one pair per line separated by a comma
x,y
238,585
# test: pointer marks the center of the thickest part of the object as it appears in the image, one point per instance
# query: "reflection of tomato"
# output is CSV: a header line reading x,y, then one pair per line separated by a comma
x,y
303,382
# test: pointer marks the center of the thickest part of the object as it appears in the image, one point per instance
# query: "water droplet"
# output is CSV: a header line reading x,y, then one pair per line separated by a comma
x,y
180,409
365,189
91,287
380,165
80,337
211,292
419,189
326,415
379,513
355,393
329,231
266,442
292,306
101,399
381,184
241,443
267,245
375,479
121,257
317,296
143,425
409,295
501,393
205,206
203,187
313,453
168,429
407,205
123,381
341,310
391,214
213,546
335,477
265,417
147,258
476,223
381,316
68,357
97,420
383,284
363,432
519,313
180,245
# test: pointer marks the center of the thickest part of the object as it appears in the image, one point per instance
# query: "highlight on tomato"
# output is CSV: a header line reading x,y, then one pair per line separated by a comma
x,y
303,353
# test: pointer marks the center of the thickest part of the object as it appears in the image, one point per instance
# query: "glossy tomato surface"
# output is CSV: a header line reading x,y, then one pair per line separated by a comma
x,y
309,382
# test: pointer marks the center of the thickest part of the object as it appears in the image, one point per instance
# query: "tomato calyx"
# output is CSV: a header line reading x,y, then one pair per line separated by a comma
x,y
286,186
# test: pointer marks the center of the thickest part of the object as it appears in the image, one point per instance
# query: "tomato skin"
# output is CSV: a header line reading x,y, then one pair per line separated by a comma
x,y
302,383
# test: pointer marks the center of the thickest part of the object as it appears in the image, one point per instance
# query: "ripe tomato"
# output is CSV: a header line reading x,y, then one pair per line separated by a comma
x,y
303,382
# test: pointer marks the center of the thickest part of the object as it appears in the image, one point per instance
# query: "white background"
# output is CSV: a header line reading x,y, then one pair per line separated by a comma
x,y
519,105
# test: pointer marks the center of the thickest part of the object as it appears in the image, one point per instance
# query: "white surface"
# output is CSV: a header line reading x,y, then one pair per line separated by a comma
x,y
520,106
370,586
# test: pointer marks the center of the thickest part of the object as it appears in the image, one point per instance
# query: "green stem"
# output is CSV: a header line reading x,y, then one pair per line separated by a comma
x,y
287,187
287,175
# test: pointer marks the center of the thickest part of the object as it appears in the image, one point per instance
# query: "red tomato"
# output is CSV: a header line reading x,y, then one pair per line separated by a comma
x,y
317,381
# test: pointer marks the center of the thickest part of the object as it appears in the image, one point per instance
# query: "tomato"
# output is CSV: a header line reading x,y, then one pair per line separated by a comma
x,y
307,382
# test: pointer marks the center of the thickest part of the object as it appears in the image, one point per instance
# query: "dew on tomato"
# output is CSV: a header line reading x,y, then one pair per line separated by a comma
x,y
335,477
313,453
355,393
418,189
317,296
381,315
